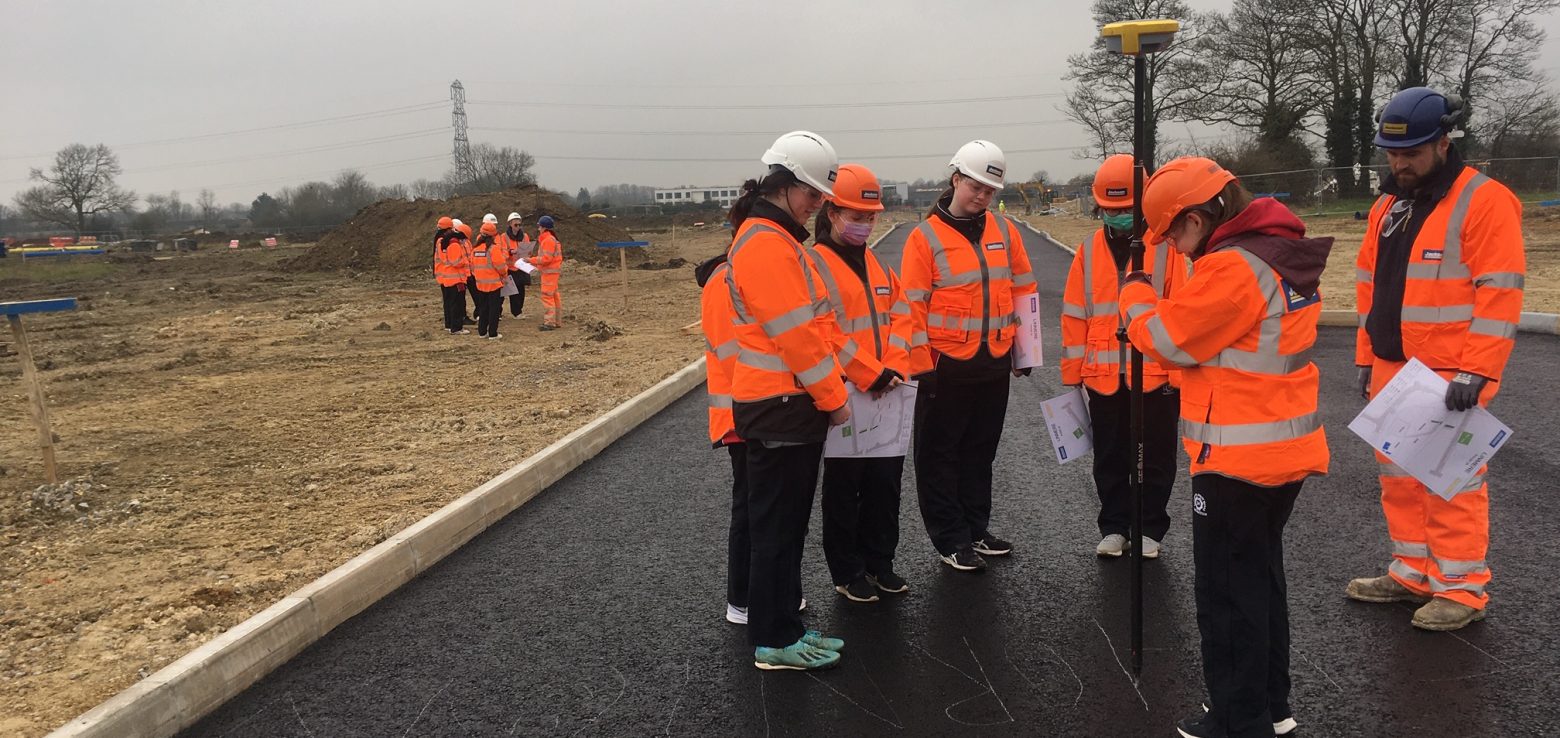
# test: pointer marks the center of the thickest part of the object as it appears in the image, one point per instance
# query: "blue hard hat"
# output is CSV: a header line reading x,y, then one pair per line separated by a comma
x,y
1416,115
545,221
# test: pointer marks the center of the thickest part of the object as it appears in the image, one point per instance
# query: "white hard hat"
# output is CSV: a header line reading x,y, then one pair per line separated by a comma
x,y
457,223
982,161
807,156
490,218
513,216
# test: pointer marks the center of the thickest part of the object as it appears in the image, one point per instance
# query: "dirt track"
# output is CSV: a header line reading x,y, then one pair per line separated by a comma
x,y
251,429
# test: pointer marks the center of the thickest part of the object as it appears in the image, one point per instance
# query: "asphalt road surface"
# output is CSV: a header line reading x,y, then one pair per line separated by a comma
x,y
597,609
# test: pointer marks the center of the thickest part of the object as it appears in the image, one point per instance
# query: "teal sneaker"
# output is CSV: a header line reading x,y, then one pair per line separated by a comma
x,y
798,656
818,640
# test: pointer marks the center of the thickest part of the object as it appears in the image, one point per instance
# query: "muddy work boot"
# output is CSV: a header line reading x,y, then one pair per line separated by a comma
x,y
1443,614
1382,589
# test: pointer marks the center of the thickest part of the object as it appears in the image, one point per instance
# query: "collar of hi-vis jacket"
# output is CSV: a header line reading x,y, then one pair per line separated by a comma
x,y
772,212
874,283
1096,252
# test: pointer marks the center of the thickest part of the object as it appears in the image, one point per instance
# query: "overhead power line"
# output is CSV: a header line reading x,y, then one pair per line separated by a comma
x,y
293,152
752,159
351,117
768,106
772,132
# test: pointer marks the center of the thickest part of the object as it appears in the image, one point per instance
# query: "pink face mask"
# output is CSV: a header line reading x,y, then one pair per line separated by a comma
x,y
855,234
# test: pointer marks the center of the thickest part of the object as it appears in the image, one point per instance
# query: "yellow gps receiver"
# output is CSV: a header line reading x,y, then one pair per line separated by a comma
x,y
1136,37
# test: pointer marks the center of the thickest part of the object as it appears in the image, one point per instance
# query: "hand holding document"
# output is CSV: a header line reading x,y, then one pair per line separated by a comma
x,y
1026,342
877,428
525,266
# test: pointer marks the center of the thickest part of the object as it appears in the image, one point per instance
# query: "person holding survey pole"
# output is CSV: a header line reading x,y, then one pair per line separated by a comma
x,y
1093,358
871,335
964,271
1241,329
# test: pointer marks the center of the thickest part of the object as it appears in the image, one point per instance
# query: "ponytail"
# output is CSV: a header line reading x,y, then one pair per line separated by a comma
x,y
823,230
776,180
945,193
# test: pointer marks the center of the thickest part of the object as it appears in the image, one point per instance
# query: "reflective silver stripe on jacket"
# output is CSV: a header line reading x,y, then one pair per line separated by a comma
x,y
1247,434
720,402
817,303
1266,359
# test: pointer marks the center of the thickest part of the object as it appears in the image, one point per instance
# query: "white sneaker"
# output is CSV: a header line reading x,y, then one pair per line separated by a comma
x,y
738,615
1150,548
1112,545
1282,727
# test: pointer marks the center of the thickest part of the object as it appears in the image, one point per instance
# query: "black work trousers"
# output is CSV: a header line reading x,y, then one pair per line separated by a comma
x,y
1114,457
454,307
958,425
1242,600
861,516
490,305
517,300
471,289
781,483
738,543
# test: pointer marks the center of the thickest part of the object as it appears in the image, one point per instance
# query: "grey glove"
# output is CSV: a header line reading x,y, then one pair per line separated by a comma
x,y
1364,382
1463,391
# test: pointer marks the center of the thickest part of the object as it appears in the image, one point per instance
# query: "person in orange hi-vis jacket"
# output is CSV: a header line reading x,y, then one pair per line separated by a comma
x,y
1093,358
520,246
785,386
1439,279
548,262
964,270
488,269
717,318
1240,329
871,336
451,267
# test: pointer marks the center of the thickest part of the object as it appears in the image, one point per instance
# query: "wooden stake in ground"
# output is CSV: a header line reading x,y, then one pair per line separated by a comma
x,y
37,406
622,247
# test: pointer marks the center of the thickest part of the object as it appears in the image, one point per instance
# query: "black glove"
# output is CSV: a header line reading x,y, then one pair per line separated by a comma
x,y
1463,391
883,379
1137,276
1364,382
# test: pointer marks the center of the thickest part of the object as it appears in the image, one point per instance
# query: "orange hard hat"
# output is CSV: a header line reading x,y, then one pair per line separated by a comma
x,y
463,228
490,229
856,189
1113,183
1183,183
445,223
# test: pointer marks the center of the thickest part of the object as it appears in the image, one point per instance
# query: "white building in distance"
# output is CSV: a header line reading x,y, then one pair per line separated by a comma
x,y
723,196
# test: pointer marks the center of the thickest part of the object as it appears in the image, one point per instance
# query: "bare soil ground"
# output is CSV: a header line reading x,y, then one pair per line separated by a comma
x,y
236,428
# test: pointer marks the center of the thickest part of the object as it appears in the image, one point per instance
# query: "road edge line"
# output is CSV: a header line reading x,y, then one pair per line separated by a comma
x,y
181,693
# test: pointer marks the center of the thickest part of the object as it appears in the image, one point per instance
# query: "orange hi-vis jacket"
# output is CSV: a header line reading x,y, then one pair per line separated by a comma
x,y
781,319
1462,300
451,265
1249,390
872,324
1091,355
516,249
717,317
549,254
962,295
487,266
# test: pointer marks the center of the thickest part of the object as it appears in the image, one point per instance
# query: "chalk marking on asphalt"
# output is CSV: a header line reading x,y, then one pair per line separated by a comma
x,y
949,709
1009,657
246,720
1318,669
847,698
989,686
299,715
687,675
1467,643
886,702
1123,667
1497,672
623,688
427,705
763,697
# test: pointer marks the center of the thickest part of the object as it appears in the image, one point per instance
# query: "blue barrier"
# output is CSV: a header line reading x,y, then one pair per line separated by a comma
x,y
24,307
59,252
622,244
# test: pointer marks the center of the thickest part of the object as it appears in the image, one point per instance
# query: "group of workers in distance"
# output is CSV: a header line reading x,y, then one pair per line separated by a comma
x,y
1225,312
485,266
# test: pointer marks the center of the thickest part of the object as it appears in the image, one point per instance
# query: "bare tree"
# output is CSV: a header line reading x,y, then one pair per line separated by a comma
x,y
350,192
207,203
1271,84
495,169
79,184
1494,61
1428,32
432,189
1179,78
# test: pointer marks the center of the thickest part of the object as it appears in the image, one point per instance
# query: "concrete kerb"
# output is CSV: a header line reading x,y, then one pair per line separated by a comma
x,y
1546,323
179,694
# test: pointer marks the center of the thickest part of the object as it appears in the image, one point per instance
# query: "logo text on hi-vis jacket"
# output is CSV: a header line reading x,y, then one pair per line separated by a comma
x,y
1432,254
1295,300
994,246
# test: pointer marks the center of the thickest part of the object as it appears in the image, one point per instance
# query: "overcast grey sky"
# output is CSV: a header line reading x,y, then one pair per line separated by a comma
x,y
155,79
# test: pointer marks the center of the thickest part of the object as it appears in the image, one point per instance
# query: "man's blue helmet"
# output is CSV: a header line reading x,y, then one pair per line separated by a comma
x,y
1416,115
545,221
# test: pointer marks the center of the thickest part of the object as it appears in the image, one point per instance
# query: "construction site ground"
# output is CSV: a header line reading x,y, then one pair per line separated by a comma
x,y
238,428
